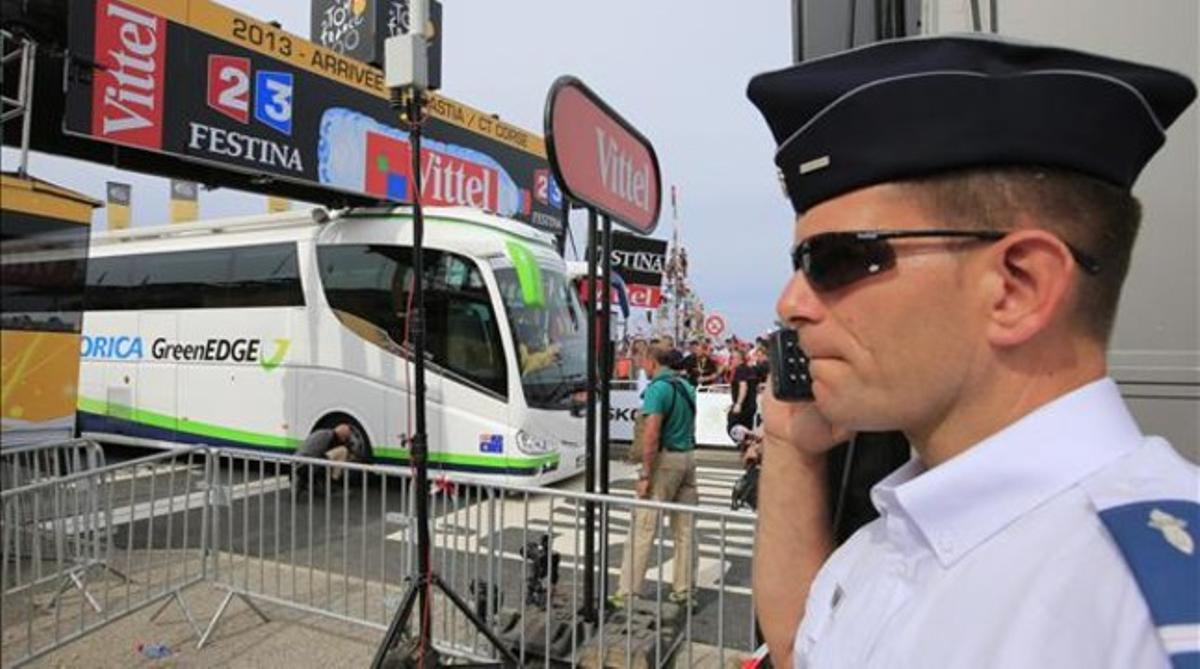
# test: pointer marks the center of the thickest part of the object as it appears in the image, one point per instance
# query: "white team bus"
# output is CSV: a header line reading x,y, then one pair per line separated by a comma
x,y
253,332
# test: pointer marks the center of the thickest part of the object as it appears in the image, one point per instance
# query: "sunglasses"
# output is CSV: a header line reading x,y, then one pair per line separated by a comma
x,y
833,260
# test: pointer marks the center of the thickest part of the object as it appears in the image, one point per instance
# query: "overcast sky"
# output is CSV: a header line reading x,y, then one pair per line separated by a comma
x,y
675,70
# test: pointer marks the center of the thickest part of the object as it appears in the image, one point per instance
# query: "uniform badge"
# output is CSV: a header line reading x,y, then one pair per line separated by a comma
x,y
1173,529
814,165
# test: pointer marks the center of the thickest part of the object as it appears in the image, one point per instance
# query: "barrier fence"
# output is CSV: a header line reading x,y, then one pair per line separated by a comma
x,y
338,540
25,465
121,535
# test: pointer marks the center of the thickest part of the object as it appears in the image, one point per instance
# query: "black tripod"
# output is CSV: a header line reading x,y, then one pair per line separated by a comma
x,y
411,100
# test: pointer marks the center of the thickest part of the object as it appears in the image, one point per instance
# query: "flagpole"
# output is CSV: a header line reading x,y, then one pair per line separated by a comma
x,y
676,260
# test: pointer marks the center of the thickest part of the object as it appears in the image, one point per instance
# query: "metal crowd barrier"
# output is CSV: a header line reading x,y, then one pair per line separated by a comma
x,y
24,465
36,463
293,531
336,539
126,536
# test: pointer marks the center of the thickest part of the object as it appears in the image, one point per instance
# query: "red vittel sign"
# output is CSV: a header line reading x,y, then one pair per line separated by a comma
x,y
599,159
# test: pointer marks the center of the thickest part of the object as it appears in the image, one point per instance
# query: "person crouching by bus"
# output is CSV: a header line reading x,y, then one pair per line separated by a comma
x,y
667,474
338,444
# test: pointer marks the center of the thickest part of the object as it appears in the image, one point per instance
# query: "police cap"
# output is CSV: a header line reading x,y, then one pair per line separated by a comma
x,y
911,107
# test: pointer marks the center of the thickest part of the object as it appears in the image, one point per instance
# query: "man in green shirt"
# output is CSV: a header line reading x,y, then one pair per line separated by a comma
x,y
667,474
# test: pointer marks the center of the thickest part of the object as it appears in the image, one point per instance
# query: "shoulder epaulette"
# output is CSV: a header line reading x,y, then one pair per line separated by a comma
x,y
1150,508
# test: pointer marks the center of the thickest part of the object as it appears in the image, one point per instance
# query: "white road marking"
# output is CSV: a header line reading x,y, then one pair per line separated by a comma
x,y
459,530
151,470
163,507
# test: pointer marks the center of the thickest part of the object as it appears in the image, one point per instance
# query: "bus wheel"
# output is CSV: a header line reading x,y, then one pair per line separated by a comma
x,y
358,433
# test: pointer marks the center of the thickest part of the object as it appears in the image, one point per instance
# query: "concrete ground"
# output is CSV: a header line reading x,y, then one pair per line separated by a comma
x,y
290,639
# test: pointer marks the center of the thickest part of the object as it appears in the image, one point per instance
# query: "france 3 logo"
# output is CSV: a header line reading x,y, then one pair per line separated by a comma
x,y
229,93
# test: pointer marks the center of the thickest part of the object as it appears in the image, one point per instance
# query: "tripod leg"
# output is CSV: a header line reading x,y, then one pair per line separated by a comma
x,y
509,659
399,622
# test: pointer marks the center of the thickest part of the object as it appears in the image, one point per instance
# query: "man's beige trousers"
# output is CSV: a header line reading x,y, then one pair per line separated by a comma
x,y
672,479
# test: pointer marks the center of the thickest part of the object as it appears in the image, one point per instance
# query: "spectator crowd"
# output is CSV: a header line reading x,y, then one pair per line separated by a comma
x,y
707,362
739,364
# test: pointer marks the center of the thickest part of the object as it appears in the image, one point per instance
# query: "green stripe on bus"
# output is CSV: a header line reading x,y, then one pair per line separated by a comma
x,y
198,428
529,275
473,460
166,422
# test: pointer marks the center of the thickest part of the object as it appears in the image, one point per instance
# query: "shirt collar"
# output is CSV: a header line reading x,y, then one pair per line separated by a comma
x,y
964,501
664,372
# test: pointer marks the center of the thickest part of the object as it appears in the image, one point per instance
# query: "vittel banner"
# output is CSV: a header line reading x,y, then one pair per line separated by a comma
x,y
127,92
194,82
600,159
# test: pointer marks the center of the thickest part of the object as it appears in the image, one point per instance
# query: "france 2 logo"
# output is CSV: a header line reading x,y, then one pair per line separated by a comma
x,y
546,189
229,93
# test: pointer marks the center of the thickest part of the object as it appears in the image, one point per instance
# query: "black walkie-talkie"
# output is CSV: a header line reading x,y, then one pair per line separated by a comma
x,y
789,367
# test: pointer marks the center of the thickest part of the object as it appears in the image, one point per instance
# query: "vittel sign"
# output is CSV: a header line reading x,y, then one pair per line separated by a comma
x,y
599,159
127,95
445,179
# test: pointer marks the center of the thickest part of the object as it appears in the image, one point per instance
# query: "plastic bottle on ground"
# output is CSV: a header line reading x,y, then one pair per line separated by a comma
x,y
154,650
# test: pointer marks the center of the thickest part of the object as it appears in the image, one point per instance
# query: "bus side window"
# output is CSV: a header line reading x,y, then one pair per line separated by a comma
x,y
373,283
183,280
265,276
462,331
364,281
472,344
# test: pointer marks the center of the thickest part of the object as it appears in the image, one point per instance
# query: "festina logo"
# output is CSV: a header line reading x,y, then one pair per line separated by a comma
x,y
618,173
449,180
246,147
638,261
127,93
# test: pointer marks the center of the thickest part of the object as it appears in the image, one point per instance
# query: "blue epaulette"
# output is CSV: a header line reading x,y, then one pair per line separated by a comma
x,y
1157,538
1153,515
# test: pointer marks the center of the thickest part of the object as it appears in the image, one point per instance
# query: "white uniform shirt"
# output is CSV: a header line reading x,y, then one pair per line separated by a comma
x,y
996,558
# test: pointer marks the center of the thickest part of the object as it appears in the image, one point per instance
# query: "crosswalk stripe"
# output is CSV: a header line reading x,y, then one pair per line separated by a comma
x,y
715,487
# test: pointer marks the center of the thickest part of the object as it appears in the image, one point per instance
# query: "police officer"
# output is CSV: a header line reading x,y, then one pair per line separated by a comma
x,y
964,225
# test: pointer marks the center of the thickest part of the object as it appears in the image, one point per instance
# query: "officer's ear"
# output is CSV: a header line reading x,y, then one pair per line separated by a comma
x,y
1029,275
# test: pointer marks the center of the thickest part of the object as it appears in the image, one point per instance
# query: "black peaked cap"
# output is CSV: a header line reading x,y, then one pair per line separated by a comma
x,y
910,107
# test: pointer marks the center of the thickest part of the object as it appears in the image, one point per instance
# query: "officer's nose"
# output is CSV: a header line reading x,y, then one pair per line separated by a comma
x,y
798,304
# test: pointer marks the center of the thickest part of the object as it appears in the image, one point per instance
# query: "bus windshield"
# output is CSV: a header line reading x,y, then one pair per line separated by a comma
x,y
550,333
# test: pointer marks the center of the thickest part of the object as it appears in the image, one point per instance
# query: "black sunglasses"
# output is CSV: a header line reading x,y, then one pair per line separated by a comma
x,y
833,260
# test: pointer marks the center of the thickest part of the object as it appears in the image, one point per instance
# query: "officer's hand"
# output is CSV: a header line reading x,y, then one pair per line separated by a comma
x,y
798,424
